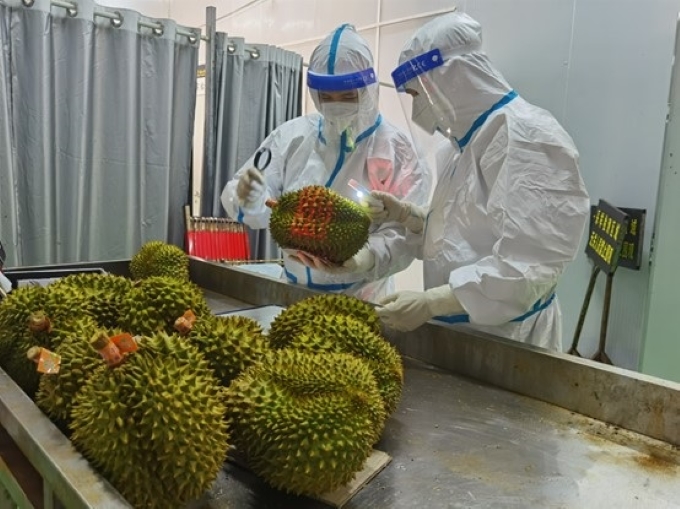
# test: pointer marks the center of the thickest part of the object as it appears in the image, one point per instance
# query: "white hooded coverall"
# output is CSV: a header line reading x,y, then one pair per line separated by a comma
x,y
310,150
508,213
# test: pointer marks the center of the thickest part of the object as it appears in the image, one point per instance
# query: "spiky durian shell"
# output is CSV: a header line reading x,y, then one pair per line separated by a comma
x,y
24,371
157,258
101,294
305,422
16,337
78,361
230,343
153,304
154,425
338,333
139,261
60,311
320,221
287,324
15,311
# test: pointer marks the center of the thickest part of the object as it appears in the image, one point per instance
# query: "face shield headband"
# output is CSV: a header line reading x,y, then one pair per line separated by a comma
x,y
415,67
340,82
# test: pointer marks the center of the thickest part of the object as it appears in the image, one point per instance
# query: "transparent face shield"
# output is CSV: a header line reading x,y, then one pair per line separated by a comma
x,y
430,115
340,97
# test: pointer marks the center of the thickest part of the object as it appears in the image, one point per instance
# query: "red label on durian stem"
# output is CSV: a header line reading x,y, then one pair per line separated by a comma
x,y
48,362
125,343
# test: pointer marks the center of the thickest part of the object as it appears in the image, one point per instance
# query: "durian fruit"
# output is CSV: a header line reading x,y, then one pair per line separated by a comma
x,y
101,294
305,422
157,258
78,361
24,371
339,333
34,316
287,324
62,306
230,343
319,221
15,311
155,303
154,425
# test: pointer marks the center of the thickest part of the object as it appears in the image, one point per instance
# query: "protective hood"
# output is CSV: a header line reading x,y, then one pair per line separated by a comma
x,y
462,79
345,54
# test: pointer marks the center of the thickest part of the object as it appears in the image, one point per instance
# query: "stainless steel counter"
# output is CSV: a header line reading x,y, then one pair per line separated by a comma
x,y
497,424
458,443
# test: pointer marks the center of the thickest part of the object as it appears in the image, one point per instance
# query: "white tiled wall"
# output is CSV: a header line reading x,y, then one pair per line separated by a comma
x,y
150,8
602,67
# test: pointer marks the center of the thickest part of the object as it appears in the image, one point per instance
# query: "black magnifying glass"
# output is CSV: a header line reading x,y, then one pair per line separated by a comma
x,y
262,158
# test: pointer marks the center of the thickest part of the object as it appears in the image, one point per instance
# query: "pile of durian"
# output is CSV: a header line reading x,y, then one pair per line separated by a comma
x,y
304,403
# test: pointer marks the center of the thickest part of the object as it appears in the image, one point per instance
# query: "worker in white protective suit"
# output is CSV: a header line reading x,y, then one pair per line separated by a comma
x,y
348,140
508,211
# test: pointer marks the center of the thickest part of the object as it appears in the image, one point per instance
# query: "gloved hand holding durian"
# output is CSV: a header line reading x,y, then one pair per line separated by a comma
x,y
385,207
408,310
251,189
360,263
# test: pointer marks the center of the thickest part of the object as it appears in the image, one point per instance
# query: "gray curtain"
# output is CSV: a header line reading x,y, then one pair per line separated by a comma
x,y
95,132
257,88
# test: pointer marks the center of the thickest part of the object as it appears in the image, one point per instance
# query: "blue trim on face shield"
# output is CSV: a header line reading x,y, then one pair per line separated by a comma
x,y
536,308
482,118
335,42
341,82
415,67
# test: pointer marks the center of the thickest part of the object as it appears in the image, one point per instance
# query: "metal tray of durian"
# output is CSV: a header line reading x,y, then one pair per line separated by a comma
x,y
483,423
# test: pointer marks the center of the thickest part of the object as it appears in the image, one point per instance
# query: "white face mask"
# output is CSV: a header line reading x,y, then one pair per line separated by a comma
x,y
338,116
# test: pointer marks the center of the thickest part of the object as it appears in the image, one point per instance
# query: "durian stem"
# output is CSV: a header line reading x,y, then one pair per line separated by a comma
x,y
39,322
185,323
107,349
33,353
271,203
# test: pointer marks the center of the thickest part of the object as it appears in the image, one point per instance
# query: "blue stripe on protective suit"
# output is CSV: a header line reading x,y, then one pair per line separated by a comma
x,y
334,48
329,287
536,308
344,148
482,118
291,277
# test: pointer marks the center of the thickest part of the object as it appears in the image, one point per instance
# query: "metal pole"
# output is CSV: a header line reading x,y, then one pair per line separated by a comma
x,y
584,310
601,355
209,134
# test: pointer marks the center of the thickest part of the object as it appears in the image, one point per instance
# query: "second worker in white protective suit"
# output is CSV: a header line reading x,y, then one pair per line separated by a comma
x,y
348,140
508,212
